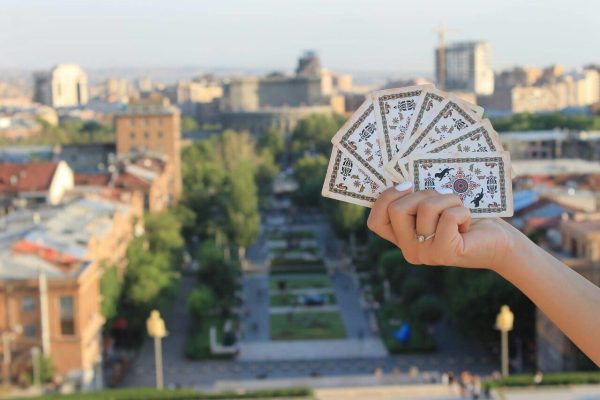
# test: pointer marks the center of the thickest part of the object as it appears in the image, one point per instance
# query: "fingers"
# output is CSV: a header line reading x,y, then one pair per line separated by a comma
x,y
402,214
379,220
430,209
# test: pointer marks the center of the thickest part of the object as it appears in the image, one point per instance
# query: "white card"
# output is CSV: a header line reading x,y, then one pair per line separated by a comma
x,y
358,138
481,138
347,180
481,180
393,111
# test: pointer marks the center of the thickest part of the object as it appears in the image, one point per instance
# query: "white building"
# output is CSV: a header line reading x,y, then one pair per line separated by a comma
x,y
65,85
466,67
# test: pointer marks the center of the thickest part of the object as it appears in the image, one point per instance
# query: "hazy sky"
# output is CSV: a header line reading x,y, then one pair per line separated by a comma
x,y
350,35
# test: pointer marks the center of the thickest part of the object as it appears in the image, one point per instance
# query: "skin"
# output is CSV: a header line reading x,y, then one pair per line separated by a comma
x,y
494,244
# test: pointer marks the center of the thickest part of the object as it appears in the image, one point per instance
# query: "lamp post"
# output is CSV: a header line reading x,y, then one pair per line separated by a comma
x,y
156,329
504,323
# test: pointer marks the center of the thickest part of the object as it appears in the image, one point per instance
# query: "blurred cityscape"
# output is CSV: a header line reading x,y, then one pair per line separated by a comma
x,y
198,194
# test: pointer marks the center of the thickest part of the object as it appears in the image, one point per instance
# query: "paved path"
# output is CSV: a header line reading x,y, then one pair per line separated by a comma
x,y
256,302
312,349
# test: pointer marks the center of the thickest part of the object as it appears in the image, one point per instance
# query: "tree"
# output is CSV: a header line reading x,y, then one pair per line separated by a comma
x,y
428,309
163,231
313,134
412,288
110,288
393,266
309,172
149,275
347,219
200,302
189,124
273,141
241,209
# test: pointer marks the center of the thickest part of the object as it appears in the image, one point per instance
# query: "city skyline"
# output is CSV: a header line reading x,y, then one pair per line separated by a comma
x,y
256,37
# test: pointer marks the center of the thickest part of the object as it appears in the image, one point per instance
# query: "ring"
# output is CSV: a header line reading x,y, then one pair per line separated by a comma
x,y
423,238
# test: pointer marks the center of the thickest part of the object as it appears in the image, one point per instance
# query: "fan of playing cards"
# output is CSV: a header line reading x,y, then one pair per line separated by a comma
x,y
422,134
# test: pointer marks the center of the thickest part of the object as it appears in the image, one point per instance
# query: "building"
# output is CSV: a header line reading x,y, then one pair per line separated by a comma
x,y
552,144
254,93
198,98
50,271
65,85
283,119
309,64
466,66
145,173
578,89
34,184
153,128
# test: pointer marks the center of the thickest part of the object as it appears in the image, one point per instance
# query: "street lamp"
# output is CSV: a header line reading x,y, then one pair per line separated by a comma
x,y
504,323
156,329
7,338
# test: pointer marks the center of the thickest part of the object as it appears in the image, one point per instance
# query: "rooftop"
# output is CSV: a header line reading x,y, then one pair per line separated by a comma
x,y
31,177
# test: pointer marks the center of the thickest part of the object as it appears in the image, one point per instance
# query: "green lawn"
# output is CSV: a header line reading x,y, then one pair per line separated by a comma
x,y
307,326
278,300
299,281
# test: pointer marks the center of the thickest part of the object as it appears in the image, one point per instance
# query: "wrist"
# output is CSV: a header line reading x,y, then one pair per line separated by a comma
x,y
517,248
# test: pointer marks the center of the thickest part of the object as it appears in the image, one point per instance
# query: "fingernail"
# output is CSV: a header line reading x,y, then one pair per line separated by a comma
x,y
401,187
444,191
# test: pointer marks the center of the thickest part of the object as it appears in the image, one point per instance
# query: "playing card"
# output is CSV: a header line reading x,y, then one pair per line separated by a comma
x,y
347,180
427,108
481,138
452,120
393,111
481,180
358,138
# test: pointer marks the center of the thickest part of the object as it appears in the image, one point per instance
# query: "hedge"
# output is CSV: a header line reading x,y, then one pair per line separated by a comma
x,y
549,379
178,394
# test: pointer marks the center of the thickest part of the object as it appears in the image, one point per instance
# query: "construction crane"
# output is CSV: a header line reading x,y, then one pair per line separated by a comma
x,y
441,73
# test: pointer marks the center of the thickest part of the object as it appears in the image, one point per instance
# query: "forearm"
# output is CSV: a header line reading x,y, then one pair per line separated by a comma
x,y
568,299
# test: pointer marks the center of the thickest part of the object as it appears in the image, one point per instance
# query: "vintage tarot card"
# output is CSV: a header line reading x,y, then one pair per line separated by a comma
x,y
358,138
451,121
393,111
426,110
480,138
347,180
481,180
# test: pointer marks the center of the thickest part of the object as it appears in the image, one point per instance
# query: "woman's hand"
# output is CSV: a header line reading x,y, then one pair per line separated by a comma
x,y
400,216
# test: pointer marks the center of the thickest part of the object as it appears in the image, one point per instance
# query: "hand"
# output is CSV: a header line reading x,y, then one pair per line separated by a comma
x,y
399,216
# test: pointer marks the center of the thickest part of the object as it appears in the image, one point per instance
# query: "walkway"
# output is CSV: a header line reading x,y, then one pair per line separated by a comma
x,y
312,349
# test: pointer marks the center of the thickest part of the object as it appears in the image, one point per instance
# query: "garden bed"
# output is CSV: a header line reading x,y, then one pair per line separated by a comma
x,y
307,326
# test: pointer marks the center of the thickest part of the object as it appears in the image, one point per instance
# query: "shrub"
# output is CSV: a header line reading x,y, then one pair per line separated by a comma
x,y
428,309
412,288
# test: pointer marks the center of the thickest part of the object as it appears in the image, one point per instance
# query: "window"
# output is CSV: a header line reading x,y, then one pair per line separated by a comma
x,y
67,315
160,134
146,135
30,331
27,304
132,135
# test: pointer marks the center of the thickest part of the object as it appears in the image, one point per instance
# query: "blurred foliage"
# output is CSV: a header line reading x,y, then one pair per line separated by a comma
x,y
530,122
309,172
189,124
313,135
110,288
272,141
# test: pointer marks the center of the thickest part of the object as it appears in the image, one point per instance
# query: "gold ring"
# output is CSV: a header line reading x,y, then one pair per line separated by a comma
x,y
423,238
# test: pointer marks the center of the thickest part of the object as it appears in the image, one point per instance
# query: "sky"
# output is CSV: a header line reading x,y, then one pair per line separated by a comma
x,y
349,35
